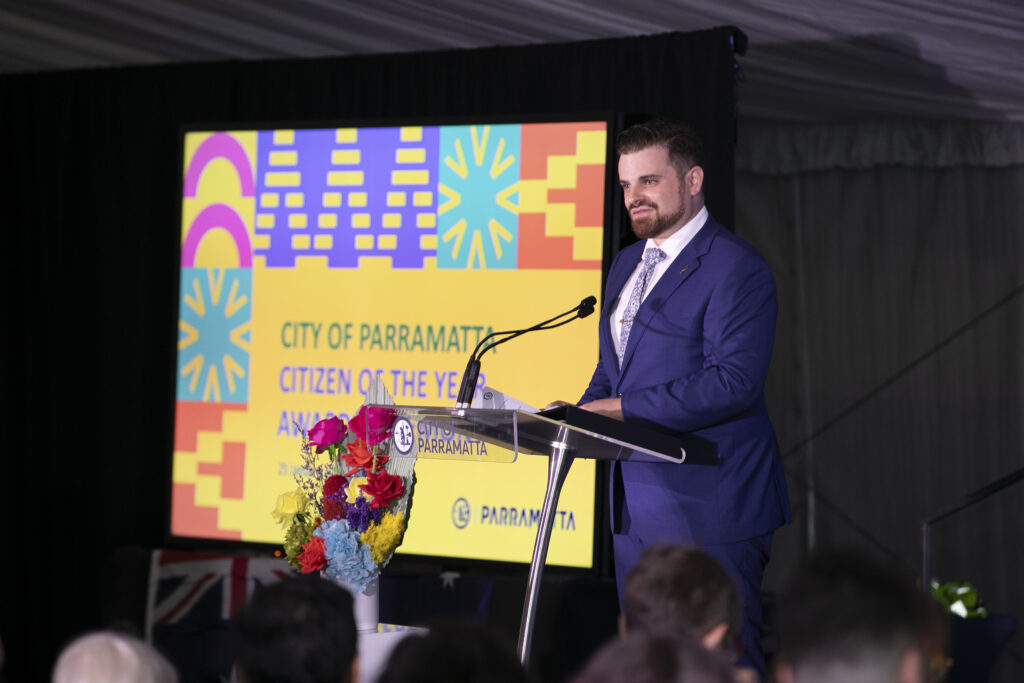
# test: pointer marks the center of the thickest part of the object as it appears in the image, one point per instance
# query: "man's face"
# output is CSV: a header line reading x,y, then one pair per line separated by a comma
x,y
658,200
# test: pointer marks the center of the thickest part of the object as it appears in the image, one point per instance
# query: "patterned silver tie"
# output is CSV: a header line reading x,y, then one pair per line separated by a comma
x,y
652,257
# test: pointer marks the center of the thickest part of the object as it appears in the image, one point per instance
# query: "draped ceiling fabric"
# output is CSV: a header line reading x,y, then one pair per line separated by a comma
x,y
809,60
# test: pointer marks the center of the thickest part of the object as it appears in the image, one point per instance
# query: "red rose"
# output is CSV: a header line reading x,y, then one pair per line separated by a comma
x,y
312,558
334,483
383,487
359,457
333,508
327,432
373,425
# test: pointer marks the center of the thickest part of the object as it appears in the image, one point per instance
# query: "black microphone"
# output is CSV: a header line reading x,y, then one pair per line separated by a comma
x,y
468,386
586,307
469,377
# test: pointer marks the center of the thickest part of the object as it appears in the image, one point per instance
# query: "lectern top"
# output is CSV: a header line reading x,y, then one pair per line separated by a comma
x,y
434,431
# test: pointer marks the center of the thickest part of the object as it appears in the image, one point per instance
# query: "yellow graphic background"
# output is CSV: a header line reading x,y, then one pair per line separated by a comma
x,y
535,368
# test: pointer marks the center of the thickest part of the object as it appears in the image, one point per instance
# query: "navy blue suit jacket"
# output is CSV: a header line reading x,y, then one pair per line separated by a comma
x,y
695,364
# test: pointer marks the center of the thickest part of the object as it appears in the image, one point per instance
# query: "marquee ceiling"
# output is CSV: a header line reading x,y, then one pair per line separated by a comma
x,y
822,60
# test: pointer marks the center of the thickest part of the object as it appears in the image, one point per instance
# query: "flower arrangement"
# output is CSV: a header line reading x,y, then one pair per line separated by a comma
x,y
350,509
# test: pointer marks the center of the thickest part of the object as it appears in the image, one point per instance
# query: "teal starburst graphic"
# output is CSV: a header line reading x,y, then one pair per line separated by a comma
x,y
214,335
478,197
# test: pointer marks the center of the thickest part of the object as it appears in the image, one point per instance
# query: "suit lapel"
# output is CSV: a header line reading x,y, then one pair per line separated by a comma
x,y
678,272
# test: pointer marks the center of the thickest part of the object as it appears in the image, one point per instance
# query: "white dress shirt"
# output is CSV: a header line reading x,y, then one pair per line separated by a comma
x,y
672,246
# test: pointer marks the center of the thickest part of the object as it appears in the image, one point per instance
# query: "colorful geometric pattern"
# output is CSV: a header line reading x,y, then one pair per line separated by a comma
x,y
561,209
196,419
214,326
219,146
214,334
477,221
347,193
499,197
189,519
487,196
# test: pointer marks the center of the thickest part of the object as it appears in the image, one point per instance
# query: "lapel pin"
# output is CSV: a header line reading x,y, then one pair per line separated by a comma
x,y
683,270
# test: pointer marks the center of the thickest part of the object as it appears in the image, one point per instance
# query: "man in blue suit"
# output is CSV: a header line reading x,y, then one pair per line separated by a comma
x,y
686,334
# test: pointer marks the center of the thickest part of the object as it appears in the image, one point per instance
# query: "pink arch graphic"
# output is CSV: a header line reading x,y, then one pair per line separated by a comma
x,y
223,146
213,217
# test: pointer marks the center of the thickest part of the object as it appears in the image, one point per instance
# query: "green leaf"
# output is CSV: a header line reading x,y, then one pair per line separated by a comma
x,y
960,598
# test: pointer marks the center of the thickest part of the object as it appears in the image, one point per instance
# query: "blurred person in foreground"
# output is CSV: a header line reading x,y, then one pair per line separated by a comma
x,y
642,657
299,630
109,657
676,589
847,617
454,651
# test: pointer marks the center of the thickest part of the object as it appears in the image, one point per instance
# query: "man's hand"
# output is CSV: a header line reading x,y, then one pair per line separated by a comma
x,y
609,407
557,404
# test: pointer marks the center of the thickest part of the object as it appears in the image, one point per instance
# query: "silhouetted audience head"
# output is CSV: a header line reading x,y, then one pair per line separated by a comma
x,y
454,651
675,587
641,657
109,657
300,630
847,617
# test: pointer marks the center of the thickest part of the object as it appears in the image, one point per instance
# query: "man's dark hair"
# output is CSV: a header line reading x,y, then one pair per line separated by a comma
x,y
454,651
300,630
675,586
655,658
684,146
847,613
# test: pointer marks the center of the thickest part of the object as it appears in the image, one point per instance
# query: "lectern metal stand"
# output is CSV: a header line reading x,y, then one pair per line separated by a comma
x,y
558,468
562,435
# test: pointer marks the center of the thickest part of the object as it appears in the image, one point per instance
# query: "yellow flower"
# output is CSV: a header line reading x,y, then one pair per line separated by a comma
x,y
288,505
353,491
384,536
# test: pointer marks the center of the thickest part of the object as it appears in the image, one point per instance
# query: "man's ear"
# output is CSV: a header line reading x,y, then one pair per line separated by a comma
x,y
712,639
694,181
622,625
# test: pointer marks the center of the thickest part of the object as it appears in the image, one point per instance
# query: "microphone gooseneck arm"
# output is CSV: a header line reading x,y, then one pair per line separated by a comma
x,y
513,335
582,310
469,377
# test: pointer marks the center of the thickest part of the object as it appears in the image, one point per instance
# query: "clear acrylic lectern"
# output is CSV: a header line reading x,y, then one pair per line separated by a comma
x,y
561,434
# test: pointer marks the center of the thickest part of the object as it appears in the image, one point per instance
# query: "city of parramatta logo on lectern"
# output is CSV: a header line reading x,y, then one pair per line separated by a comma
x,y
461,513
402,432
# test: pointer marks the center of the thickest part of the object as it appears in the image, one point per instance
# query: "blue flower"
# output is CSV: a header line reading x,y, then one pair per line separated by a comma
x,y
349,560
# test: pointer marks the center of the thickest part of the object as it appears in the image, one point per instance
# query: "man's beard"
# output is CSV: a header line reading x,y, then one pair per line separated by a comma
x,y
647,227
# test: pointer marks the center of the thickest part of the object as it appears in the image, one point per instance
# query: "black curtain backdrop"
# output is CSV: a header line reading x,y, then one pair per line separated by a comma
x,y
90,219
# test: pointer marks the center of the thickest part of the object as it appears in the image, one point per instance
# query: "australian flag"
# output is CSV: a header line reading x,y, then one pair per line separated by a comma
x,y
192,599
